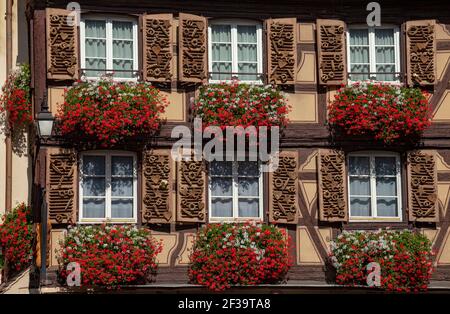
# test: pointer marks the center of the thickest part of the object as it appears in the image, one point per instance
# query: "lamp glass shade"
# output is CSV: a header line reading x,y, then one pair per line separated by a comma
x,y
45,127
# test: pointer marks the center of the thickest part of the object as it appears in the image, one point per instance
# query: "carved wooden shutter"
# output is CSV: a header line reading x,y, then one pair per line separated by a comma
x,y
283,189
62,185
422,186
421,52
157,187
193,48
331,49
282,50
191,191
332,186
158,47
62,45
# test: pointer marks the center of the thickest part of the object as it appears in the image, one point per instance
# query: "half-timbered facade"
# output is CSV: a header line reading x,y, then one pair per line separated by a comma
x,y
323,185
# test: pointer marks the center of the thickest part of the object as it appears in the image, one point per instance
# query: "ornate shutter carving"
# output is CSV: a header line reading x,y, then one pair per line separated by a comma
x,y
422,186
191,200
62,45
283,190
62,185
157,187
158,47
331,48
332,186
421,51
282,50
193,48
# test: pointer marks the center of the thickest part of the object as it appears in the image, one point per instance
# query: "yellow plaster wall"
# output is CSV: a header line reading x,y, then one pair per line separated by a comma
x,y
183,258
176,110
56,235
169,242
304,107
306,251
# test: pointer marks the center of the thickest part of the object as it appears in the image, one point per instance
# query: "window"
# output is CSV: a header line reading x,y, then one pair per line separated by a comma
x,y
235,50
109,45
373,52
235,190
108,187
374,186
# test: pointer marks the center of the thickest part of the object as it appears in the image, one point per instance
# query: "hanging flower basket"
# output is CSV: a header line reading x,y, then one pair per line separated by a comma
x,y
15,100
110,112
239,104
386,112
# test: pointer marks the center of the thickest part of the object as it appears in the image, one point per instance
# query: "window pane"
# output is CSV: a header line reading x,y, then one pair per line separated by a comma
x,y
95,48
221,33
387,186
386,69
122,166
95,29
222,207
94,208
385,55
221,52
387,207
221,168
93,165
248,186
125,68
122,30
246,33
248,207
223,68
384,37
359,186
359,54
221,186
247,68
360,206
121,187
247,52
248,168
359,68
123,49
122,208
385,166
359,37
93,186
97,65
359,165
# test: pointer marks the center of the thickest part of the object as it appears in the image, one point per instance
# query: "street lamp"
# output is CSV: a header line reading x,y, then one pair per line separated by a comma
x,y
45,120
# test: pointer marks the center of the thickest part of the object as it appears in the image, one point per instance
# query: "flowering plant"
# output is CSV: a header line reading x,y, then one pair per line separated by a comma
x,y
237,104
109,111
405,259
109,256
16,97
386,111
16,236
239,254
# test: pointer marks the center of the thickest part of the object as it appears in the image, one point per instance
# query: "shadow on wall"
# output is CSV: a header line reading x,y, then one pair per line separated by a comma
x,y
22,34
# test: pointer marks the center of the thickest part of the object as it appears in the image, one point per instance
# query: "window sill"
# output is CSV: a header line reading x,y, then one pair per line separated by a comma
x,y
106,221
231,81
235,220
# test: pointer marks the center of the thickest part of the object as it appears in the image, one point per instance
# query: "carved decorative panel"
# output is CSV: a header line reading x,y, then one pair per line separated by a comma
x,y
422,186
191,191
331,48
62,45
157,182
282,50
61,185
158,47
193,48
332,186
421,49
283,190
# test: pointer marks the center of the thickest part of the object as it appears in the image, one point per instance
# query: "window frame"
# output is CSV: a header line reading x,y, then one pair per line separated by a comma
x,y
235,195
372,52
233,23
109,44
107,218
373,195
